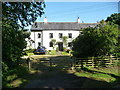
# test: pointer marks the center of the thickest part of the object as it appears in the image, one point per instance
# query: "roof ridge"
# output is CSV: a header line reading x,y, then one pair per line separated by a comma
x,y
66,22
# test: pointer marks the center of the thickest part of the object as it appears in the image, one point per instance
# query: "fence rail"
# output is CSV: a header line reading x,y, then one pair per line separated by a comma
x,y
95,61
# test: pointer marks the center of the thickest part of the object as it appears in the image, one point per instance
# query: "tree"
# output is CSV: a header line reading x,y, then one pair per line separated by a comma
x,y
24,12
98,41
114,19
13,35
54,42
65,41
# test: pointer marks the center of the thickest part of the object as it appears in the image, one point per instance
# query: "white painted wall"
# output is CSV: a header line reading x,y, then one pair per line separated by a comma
x,y
34,36
46,39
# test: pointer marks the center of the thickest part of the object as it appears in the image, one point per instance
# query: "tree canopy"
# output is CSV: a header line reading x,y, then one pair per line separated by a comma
x,y
24,12
15,16
98,41
114,19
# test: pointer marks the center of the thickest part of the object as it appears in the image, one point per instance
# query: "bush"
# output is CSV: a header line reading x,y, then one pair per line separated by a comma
x,y
12,74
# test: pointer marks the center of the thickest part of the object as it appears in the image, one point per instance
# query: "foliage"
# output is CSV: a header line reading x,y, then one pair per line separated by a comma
x,y
15,16
13,36
13,43
12,74
65,41
98,41
54,42
114,19
25,12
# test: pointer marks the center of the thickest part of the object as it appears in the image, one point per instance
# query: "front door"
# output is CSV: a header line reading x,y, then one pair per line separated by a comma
x,y
60,46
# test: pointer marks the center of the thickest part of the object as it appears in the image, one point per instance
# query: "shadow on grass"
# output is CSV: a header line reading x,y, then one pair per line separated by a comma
x,y
113,83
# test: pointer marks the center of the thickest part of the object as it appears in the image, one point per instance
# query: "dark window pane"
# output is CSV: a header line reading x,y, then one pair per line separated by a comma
x,y
70,35
39,35
39,44
60,35
51,35
51,44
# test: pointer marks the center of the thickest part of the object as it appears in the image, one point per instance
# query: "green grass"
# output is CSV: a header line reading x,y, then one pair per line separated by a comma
x,y
30,54
107,75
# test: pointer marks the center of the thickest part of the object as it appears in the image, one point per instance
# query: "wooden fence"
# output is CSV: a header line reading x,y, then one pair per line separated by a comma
x,y
95,61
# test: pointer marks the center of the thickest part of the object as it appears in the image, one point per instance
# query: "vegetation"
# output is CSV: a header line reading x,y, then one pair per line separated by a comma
x,y
114,19
65,41
99,41
15,16
54,42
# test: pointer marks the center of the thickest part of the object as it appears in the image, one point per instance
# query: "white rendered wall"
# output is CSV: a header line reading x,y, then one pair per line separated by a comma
x,y
46,39
34,37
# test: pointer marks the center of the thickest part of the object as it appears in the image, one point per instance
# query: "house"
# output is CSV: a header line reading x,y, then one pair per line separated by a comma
x,y
42,33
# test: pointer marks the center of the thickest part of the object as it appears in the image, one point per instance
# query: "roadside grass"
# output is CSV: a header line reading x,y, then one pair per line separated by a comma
x,y
108,74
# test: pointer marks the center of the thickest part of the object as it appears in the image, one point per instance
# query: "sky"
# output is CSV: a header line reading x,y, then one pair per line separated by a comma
x,y
88,12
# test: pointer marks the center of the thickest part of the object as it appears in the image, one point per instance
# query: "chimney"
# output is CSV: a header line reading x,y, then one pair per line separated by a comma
x,y
45,20
78,20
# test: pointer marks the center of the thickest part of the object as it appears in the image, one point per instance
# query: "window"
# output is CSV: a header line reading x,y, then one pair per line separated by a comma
x,y
39,44
39,35
70,35
69,44
51,44
51,35
60,35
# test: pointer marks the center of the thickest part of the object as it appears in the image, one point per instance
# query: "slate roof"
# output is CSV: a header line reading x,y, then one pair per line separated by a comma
x,y
61,25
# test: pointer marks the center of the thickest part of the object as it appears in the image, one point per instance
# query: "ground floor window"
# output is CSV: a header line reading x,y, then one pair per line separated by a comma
x,y
39,44
51,44
69,44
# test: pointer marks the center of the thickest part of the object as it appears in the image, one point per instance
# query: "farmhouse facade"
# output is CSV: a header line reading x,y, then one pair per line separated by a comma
x,y
42,33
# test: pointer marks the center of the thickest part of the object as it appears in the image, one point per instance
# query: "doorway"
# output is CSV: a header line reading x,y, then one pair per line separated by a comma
x,y
60,46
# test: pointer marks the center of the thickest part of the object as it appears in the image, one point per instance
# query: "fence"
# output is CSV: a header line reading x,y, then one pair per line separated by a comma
x,y
95,61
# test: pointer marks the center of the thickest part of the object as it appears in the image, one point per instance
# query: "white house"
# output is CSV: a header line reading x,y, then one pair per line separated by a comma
x,y
43,32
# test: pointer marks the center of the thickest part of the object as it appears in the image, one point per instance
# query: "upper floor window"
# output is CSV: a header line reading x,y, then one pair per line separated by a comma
x,y
69,35
51,35
39,35
51,44
60,35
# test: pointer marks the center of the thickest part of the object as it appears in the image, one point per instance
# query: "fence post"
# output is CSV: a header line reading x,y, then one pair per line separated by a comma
x,y
50,64
81,62
92,61
29,63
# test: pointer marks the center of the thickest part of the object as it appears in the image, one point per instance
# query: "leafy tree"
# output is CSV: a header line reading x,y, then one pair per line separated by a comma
x,y
24,12
54,42
114,19
16,16
65,41
98,41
